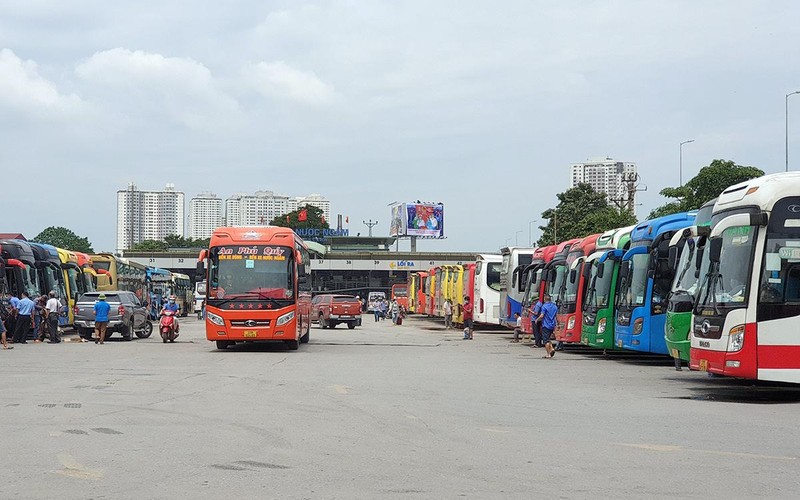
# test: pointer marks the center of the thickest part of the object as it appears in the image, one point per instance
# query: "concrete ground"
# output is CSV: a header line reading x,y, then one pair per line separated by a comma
x,y
383,412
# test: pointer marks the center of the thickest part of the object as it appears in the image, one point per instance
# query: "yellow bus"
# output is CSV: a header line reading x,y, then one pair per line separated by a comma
x,y
121,274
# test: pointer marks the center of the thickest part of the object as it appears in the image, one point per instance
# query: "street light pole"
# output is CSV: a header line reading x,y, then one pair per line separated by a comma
x,y
516,238
680,167
787,126
530,233
370,225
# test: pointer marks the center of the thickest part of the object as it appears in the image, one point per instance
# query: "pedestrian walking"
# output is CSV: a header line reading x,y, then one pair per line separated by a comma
x,y
39,318
466,311
53,306
25,311
384,308
517,328
376,310
395,311
548,319
448,314
101,309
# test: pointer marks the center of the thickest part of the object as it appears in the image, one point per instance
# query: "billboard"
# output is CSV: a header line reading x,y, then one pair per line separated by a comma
x,y
421,219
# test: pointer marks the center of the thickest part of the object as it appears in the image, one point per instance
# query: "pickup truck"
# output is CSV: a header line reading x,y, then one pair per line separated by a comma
x,y
329,310
127,316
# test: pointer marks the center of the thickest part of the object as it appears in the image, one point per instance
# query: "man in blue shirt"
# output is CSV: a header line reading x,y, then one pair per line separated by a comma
x,y
175,308
24,312
101,310
548,320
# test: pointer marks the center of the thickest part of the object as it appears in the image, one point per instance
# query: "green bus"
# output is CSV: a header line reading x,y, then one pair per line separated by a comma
x,y
602,269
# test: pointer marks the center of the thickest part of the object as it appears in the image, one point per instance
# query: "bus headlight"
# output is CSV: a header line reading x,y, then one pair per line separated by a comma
x,y
736,338
601,326
571,323
638,325
285,319
217,320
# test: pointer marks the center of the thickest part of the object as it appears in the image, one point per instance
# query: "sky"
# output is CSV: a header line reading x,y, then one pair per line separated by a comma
x,y
479,105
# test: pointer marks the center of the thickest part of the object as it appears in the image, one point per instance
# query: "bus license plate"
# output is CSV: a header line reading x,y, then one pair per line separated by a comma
x,y
345,317
250,333
703,365
619,343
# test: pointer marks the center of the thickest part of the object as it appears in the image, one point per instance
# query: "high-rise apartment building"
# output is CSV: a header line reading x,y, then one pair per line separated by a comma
x,y
205,215
608,176
263,206
148,215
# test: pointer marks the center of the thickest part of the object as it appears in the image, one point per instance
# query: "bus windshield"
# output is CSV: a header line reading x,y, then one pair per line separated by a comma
x,y
571,288
555,286
686,280
493,275
601,290
532,286
634,290
728,280
251,272
31,281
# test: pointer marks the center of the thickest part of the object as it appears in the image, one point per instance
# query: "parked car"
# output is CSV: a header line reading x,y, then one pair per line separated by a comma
x,y
128,315
329,310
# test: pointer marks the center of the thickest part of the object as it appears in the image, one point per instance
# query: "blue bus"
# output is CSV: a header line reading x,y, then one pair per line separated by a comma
x,y
646,280
159,284
516,261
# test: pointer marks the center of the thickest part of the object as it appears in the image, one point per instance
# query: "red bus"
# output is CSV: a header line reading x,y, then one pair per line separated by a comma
x,y
534,286
400,294
259,287
570,298
416,292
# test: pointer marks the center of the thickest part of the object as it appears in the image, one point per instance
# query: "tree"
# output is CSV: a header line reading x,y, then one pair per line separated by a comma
x,y
62,237
150,246
705,186
581,211
307,217
171,241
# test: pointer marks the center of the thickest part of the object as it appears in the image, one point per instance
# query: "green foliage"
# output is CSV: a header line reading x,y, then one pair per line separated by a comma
x,y
171,241
706,185
62,237
581,211
314,219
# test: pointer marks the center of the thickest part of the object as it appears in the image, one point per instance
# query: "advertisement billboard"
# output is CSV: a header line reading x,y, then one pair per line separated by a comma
x,y
420,219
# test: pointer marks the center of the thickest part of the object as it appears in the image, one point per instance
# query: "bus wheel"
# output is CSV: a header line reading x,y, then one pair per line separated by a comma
x,y
351,324
292,345
222,344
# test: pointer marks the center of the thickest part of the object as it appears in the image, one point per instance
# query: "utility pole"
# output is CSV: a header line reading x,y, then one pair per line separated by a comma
x,y
787,126
370,225
680,161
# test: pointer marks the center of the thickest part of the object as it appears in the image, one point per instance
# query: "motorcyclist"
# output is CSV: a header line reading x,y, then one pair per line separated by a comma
x,y
175,308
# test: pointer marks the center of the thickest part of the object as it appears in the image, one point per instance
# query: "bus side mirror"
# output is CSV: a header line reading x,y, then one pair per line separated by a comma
x,y
201,271
673,257
573,274
715,249
601,270
587,271
623,272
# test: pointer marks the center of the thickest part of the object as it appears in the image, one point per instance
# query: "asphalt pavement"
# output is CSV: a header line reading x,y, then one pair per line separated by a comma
x,y
383,411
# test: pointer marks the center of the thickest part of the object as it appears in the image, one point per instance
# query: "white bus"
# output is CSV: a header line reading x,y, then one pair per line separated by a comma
x,y
747,312
512,282
487,289
199,297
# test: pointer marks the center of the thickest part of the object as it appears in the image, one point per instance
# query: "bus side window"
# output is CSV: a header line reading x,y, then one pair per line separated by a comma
x,y
792,293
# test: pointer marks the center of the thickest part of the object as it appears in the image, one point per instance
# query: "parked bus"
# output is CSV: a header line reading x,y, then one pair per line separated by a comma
x,y
455,290
20,266
400,294
556,269
89,274
486,293
685,253
603,268
534,284
467,290
416,292
646,281
48,265
570,302
181,288
745,319
121,274
199,297
512,282
159,282
430,291
259,286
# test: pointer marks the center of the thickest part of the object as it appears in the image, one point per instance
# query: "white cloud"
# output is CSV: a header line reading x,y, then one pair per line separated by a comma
x,y
23,88
181,87
278,79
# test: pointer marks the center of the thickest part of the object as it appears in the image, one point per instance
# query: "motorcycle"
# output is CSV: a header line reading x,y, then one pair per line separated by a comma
x,y
167,326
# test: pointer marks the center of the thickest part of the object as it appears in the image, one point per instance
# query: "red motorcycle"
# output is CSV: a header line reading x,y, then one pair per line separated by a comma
x,y
167,326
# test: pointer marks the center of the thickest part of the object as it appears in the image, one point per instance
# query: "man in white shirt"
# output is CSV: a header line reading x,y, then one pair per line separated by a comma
x,y
53,306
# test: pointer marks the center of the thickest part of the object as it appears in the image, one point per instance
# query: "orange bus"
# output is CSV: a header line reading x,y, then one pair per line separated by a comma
x,y
400,293
259,286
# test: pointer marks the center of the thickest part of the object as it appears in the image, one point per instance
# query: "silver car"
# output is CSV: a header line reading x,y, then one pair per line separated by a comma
x,y
128,315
